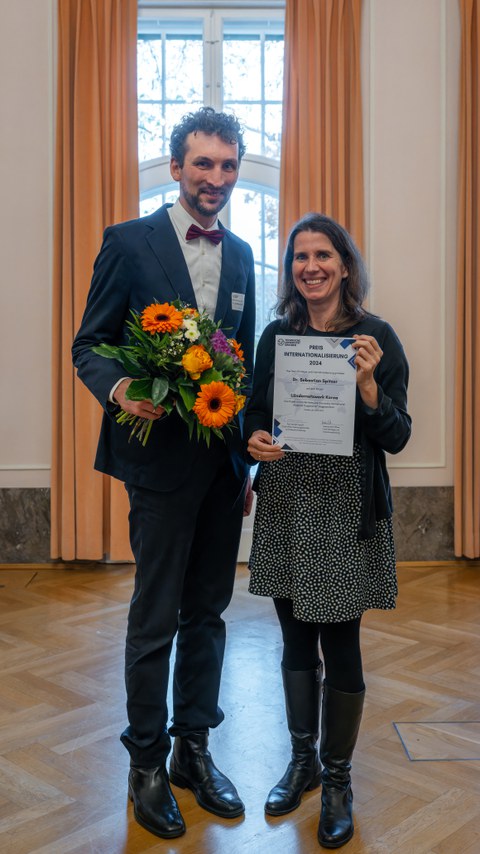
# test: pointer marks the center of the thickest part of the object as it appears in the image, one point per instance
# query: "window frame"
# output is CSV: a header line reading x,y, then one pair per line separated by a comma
x,y
255,170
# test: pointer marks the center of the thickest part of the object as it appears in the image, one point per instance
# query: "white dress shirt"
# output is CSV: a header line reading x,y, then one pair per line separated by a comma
x,y
203,259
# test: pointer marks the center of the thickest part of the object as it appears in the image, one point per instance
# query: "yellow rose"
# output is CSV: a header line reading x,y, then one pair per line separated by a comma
x,y
239,402
196,360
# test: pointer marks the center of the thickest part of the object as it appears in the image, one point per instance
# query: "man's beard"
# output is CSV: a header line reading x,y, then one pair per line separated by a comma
x,y
195,202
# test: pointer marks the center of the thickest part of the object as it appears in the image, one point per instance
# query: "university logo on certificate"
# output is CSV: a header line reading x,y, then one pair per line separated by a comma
x,y
314,394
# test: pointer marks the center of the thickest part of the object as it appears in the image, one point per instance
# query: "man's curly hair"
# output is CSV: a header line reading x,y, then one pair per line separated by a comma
x,y
206,120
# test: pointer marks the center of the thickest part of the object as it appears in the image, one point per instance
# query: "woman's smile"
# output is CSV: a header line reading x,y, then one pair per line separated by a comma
x,y
318,270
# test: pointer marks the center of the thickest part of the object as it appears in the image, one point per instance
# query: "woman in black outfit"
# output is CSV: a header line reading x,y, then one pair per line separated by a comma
x,y
323,543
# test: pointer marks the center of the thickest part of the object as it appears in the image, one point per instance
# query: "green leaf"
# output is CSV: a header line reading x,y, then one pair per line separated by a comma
x,y
140,333
130,363
210,376
188,396
159,390
107,351
223,360
181,409
139,390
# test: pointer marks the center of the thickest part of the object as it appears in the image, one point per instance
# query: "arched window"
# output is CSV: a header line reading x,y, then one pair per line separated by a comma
x,y
228,56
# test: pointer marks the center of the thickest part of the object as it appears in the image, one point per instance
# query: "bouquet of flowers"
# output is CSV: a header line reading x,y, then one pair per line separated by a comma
x,y
178,357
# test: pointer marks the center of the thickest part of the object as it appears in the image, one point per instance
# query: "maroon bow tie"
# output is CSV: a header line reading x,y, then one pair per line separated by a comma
x,y
215,235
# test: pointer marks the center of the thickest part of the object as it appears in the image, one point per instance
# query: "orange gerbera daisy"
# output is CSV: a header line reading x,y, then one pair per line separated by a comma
x,y
215,404
237,349
161,318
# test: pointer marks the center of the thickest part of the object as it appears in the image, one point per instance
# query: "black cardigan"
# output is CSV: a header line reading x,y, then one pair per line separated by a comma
x,y
386,428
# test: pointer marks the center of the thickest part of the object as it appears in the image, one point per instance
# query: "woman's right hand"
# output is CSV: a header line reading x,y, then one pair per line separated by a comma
x,y
260,447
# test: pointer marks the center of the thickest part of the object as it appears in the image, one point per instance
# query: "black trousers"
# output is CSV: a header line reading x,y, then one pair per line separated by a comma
x,y
185,545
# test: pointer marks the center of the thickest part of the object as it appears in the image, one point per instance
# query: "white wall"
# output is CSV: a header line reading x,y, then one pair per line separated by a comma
x,y
26,157
410,78
411,53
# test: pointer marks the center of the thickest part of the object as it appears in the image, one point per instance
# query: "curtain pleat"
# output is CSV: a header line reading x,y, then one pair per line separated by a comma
x,y
467,368
96,184
322,160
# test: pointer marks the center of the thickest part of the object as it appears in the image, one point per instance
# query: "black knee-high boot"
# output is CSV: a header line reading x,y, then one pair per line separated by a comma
x,y
341,716
302,702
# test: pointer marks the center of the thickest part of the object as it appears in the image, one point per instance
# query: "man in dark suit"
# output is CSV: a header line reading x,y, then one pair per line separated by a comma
x,y
186,499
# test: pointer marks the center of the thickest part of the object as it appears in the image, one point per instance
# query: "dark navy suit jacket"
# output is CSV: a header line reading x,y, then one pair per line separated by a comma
x,y
141,262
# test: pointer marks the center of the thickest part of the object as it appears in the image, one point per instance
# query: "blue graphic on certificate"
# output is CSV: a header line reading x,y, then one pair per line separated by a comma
x,y
314,394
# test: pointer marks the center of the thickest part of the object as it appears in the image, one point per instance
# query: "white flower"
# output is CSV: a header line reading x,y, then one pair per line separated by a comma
x,y
191,334
190,323
191,329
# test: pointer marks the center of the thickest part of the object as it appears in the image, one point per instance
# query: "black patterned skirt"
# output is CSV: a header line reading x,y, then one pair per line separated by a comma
x,y
305,540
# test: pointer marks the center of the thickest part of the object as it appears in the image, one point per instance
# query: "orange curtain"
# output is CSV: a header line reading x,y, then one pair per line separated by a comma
x,y
467,387
96,184
321,165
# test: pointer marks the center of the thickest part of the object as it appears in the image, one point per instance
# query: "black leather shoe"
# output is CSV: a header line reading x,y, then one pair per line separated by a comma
x,y
192,767
154,805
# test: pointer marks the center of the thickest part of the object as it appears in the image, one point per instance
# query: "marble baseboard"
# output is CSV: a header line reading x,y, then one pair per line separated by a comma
x,y
423,524
24,525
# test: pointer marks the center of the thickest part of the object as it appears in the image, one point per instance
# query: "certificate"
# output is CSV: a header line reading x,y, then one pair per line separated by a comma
x,y
314,394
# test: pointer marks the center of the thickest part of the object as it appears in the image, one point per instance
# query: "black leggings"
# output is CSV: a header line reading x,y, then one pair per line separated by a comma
x,y
340,643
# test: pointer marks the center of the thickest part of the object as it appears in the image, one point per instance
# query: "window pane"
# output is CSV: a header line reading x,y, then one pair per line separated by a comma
x,y
150,68
148,206
273,131
271,229
184,70
266,289
152,140
246,218
250,117
253,88
242,69
254,217
267,296
274,69
170,84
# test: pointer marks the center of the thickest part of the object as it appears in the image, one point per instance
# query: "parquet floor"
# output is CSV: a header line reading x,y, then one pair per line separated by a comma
x,y
63,770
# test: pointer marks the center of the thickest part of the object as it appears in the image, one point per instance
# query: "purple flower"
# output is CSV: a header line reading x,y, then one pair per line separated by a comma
x,y
219,342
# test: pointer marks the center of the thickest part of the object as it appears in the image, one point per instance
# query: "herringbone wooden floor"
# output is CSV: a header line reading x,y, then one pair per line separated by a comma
x,y
63,770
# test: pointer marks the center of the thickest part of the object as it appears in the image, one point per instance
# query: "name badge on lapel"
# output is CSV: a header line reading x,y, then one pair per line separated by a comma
x,y
238,301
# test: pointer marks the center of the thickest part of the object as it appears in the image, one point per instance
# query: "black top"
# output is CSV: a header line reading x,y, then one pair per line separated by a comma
x,y
386,428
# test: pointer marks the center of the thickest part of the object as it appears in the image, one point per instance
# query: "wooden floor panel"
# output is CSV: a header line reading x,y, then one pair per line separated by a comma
x,y
63,770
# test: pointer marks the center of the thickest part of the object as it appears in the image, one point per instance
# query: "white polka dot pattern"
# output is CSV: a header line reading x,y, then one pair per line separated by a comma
x,y
305,540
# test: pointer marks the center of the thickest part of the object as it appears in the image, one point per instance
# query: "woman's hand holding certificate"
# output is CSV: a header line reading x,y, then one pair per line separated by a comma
x,y
368,355
260,447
